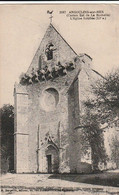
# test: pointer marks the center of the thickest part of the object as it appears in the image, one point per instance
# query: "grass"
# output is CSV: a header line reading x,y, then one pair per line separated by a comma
x,y
105,179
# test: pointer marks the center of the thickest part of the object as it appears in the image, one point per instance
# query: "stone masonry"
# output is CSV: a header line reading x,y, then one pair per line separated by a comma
x,y
48,112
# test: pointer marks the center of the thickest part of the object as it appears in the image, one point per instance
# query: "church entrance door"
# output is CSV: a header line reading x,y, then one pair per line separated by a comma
x,y
49,163
52,159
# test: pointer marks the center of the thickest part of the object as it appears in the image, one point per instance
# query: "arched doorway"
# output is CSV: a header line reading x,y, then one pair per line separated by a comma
x,y
52,156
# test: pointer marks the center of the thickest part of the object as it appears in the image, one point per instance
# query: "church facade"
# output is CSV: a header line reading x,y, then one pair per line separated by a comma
x,y
48,103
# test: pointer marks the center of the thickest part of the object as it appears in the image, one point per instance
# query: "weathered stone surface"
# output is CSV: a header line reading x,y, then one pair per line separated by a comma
x,y
48,112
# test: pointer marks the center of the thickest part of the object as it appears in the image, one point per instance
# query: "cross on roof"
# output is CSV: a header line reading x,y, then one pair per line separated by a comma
x,y
50,12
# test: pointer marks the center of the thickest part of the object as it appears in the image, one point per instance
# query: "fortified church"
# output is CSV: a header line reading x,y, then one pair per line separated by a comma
x,y
48,102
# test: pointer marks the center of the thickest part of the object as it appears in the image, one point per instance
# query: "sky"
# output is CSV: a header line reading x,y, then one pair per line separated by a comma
x,y
22,28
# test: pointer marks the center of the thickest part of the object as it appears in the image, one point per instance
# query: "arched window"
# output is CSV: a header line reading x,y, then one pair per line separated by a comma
x,y
49,51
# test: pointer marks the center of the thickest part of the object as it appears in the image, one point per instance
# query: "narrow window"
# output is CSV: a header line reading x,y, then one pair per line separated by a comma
x,y
49,51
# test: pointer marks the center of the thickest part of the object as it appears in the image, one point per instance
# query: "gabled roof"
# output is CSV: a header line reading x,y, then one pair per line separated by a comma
x,y
63,39
63,54
63,48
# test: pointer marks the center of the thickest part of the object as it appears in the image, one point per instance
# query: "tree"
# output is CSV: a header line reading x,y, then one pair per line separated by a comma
x,y
106,97
101,111
92,135
7,135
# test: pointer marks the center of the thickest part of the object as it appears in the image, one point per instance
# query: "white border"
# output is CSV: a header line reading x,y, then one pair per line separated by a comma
x,y
58,2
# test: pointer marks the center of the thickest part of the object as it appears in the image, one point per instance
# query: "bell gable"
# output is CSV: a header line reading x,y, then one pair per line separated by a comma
x,y
53,50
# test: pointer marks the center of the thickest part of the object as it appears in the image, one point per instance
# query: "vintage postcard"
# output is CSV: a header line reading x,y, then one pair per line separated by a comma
x,y
59,90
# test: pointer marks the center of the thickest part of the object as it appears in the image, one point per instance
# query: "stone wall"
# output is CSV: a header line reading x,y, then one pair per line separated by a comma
x,y
21,129
62,53
48,113
44,118
52,112
54,122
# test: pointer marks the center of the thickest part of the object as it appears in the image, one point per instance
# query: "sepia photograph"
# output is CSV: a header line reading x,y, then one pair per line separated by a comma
x,y
59,105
